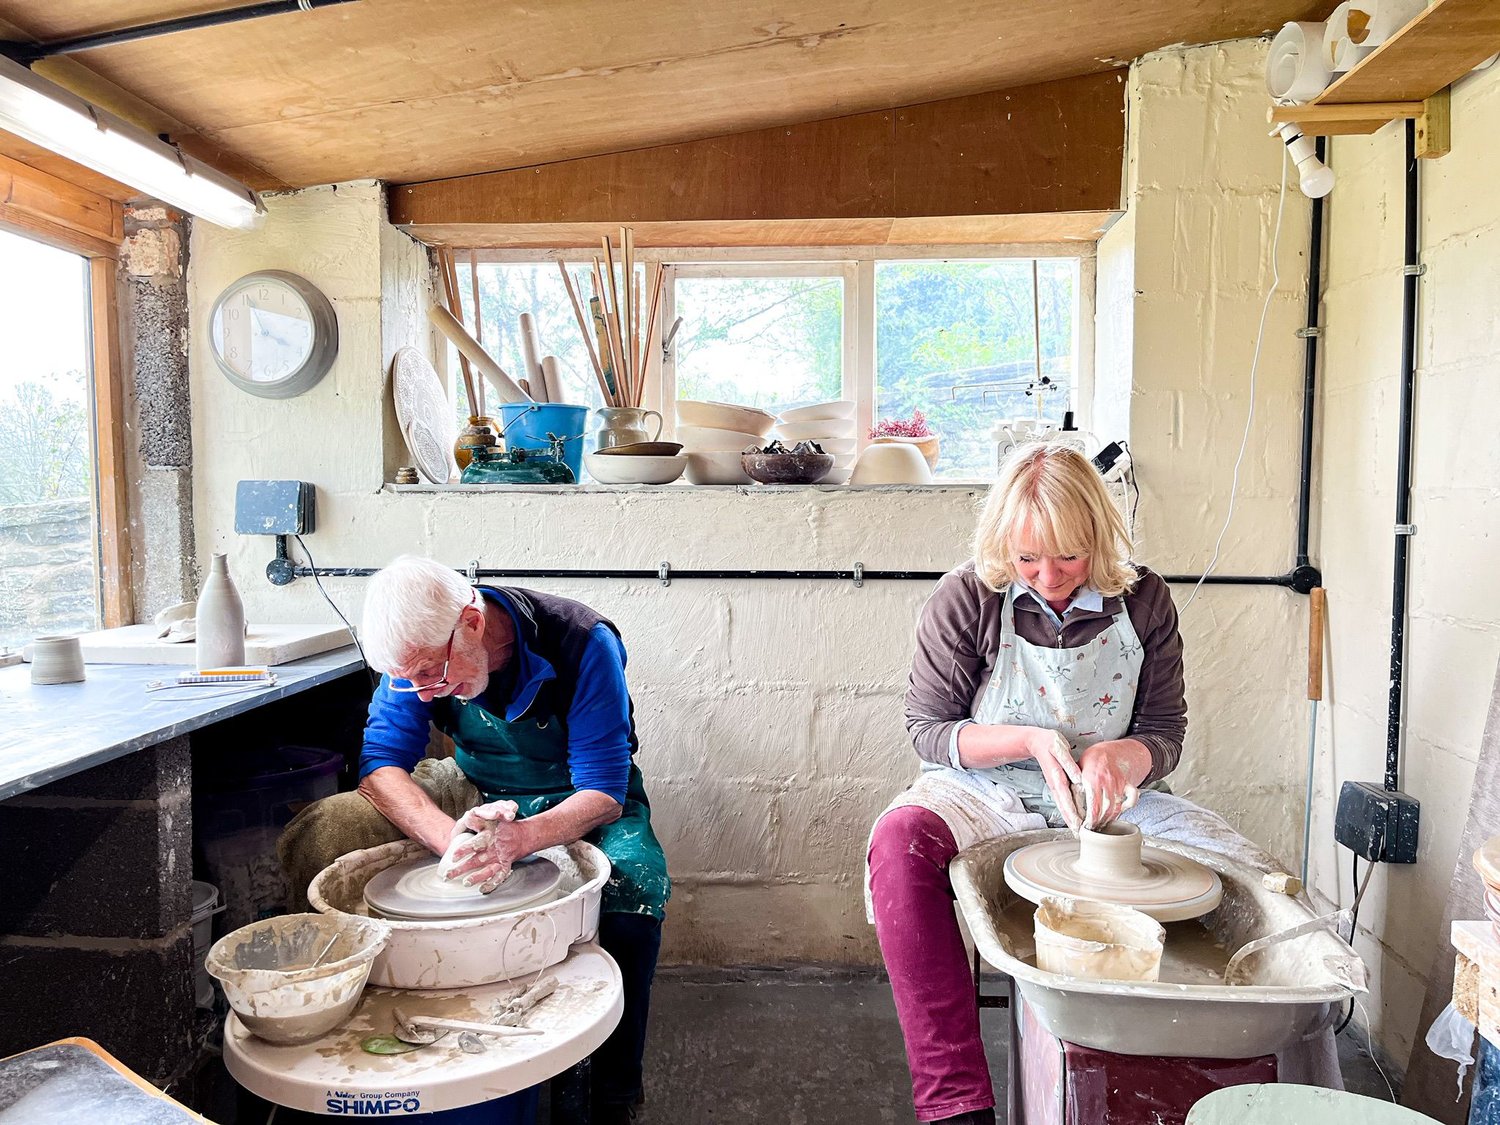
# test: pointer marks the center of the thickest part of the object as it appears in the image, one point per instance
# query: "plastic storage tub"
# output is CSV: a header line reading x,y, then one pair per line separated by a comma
x,y
239,810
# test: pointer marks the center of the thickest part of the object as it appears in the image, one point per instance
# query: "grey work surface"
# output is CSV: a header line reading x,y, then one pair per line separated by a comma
x,y
64,1083
52,731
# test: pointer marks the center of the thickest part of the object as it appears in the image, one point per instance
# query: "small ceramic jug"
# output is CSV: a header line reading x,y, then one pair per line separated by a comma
x,y
480,433
221,620
624,425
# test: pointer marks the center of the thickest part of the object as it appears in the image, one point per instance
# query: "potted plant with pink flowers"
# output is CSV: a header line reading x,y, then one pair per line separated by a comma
x,y
908,431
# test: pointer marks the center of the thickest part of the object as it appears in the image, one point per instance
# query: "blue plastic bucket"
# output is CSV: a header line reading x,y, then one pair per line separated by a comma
x,y
527,424
513,1109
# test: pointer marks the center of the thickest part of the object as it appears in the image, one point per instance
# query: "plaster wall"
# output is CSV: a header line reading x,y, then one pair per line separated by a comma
x,y
770,713
1453,632
1182,283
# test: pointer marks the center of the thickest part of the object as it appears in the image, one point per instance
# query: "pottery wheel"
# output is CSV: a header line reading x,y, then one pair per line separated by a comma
x,y
1169,887
413,890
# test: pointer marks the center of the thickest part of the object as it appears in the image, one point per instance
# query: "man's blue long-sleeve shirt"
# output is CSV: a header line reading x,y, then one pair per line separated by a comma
x,y
598,721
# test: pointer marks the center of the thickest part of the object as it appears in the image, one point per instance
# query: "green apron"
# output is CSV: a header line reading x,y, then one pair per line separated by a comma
x,y
526,761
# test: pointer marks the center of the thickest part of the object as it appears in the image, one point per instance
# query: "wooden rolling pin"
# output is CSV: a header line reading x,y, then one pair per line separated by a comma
x,y
449,326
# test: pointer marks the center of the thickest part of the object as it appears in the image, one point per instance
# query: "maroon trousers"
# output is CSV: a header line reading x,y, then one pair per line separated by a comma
x,y
931,980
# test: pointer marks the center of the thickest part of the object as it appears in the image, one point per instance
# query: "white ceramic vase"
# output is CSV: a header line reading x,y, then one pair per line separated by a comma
x,y
221,620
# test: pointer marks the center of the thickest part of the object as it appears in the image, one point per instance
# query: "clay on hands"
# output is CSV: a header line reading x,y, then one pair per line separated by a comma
x,y
472,856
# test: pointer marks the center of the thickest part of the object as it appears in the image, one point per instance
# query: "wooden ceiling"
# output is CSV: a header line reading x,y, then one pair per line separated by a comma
x,y
408,90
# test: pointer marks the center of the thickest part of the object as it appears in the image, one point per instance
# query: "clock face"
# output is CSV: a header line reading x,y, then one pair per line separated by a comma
x,y
273,334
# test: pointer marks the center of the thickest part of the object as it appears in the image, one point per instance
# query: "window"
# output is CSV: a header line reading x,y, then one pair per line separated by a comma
x,y
49,537
970,340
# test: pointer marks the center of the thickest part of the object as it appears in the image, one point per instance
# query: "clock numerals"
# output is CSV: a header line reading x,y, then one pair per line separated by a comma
x,y
273,334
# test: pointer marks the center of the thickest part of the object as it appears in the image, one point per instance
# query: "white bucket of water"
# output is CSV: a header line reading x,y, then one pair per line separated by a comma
x,y
205,906
1077,937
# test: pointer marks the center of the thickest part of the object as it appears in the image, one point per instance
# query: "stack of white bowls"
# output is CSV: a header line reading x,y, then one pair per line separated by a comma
x,y
715,434
831,425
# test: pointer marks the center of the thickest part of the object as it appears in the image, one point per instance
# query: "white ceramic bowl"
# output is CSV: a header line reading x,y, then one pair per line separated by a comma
x,y
716,467
820,411
710,439
837,475
634,470
844,460
815,431
892,463
838,446
725,416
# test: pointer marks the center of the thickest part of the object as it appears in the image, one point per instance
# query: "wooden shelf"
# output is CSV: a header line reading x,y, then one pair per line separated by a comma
x,y
1406,76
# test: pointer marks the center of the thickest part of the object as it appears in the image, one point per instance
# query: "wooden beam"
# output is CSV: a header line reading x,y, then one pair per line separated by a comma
x,y
1057,147
961,230
1435,126
1440,45
63,214
112,504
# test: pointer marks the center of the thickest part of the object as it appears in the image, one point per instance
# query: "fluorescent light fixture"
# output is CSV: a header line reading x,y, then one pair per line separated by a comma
x,y
47,115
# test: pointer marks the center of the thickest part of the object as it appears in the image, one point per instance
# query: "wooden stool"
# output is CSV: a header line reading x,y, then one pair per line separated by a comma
x,y
78,1080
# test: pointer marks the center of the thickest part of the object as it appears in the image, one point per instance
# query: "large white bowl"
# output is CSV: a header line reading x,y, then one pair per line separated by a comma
x,y
634,470
711,439
837,475
716,467
820,411
725,416
816,431
892,463
838,446
844,460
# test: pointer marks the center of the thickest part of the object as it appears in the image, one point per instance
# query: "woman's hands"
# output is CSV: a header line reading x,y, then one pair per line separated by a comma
x,y
1052,752
1111,772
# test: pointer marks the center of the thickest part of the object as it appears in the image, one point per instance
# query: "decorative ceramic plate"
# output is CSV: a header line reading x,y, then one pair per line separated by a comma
x,y
426,417
1170,887
414,890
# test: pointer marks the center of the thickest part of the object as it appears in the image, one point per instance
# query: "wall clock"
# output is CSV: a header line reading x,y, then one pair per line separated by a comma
x,y
273,334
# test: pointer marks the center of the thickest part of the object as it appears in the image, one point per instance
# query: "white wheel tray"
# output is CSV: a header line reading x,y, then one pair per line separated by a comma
x,y
464,952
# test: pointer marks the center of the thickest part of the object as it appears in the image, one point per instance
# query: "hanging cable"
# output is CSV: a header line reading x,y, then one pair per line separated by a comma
x,y
353,634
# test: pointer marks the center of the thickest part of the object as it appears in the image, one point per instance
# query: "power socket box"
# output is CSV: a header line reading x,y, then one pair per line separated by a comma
x,y
275,507
1377,824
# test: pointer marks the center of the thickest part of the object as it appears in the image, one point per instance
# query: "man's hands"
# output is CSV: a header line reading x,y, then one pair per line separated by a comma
x,y
486,841
1111,772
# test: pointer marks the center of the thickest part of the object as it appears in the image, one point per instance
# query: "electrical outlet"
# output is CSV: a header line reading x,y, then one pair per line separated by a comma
x,y
1377,824
275,507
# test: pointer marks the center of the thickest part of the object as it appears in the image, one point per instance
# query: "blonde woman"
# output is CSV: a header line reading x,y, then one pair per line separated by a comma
x,y
1047,661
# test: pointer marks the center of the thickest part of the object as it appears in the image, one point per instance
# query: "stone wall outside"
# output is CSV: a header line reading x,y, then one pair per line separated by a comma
x,y
47,582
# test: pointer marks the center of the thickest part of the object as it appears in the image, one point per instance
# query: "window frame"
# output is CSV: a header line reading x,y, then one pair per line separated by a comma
x,y
856,265
51,218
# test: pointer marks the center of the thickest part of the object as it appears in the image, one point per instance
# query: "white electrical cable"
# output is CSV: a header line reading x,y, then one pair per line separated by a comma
x,y
1260,336
1370,1043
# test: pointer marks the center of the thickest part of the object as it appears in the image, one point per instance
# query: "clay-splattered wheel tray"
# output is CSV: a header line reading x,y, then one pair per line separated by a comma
x,y
1167,886
414,890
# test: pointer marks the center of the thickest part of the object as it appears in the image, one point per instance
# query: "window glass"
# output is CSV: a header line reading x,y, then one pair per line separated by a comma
x,y
772,342
48,532
958,342
506,290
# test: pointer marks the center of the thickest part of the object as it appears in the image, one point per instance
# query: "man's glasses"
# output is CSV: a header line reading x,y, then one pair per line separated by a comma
x,y
442,680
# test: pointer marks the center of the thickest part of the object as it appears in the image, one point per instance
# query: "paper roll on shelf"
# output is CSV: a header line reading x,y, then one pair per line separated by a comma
x,y
531,353
1295,71
1340,52
448,325
552,374
1372,22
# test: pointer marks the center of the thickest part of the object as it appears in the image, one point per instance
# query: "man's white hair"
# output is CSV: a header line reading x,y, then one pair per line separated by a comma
x,y
410,606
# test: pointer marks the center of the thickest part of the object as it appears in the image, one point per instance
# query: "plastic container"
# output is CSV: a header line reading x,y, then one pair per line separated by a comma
x,y
513,1109
1077,937
205,906
240,808
294,978
526,425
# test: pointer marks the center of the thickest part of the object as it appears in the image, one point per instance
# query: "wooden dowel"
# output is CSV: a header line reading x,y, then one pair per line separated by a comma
x,y
1316,617
612,337
601,333
449,326
478,316
449,296
612,319
650,329
632,302
530,360
552,373
586,328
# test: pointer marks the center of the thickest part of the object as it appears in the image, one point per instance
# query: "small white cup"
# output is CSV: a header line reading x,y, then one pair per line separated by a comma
x,y
56,660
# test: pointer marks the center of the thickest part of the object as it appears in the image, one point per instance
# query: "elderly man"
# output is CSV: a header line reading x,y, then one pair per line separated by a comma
x,y
531,688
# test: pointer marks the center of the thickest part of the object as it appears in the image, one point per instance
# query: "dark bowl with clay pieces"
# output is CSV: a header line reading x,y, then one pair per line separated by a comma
x,y
786,468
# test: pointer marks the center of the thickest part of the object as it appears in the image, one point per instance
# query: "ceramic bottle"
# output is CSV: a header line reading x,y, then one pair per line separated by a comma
x,y
221,620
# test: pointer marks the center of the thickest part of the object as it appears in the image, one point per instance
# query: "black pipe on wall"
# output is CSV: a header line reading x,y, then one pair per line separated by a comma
x,y
1404,529
1310,334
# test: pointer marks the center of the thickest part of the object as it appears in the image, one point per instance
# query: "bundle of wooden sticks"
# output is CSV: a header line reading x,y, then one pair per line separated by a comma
x,y
614,322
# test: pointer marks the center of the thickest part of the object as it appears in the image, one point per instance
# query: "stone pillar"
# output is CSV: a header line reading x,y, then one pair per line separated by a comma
x,y
95,918
154,333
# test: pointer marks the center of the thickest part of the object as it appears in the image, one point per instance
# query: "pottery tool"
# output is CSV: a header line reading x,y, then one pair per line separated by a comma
x,y
552,375
512,1011
609,305
478,316
585,329
531,353
1111,865
449,326
449,276
421,1029
415,890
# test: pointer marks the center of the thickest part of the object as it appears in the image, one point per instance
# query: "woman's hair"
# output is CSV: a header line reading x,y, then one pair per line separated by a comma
x,y
411,605
1058,496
